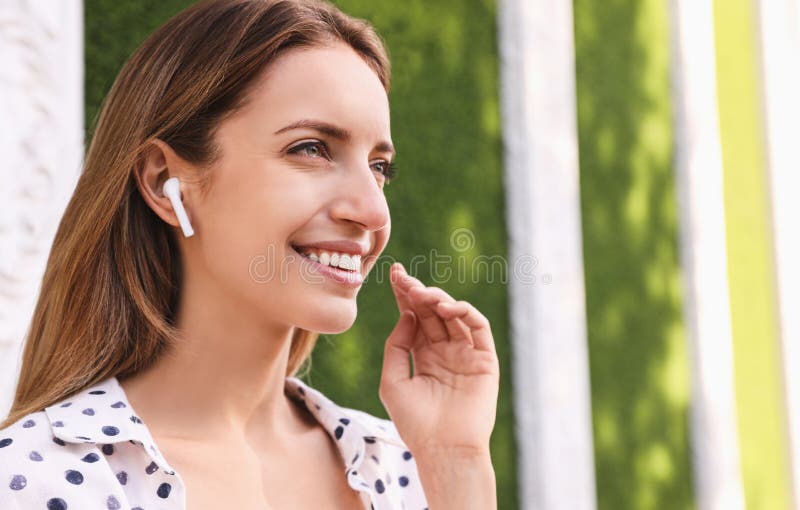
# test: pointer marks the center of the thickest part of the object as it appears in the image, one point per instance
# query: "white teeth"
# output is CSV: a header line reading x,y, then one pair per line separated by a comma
x,y
351,262
334,259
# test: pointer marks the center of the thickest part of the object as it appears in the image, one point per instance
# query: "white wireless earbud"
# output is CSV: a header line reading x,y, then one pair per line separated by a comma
x,y
172,189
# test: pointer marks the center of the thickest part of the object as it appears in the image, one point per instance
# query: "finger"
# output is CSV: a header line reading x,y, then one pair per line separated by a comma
x,y
401,279
432,327
424,300
400,283
456,328
435,295
400,295
478,324
396,366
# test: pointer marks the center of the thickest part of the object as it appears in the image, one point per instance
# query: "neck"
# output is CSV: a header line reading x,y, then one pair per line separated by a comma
x,y
224,378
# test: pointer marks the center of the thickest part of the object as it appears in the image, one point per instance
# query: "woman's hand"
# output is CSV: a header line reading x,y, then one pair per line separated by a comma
x,y
449,406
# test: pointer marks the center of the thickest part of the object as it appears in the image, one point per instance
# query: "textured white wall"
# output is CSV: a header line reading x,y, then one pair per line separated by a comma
x,y
779,34
698,166
548,319
41,140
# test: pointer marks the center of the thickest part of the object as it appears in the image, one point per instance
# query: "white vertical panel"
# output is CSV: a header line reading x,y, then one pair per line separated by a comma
x,y
779,34
41,140
548,319
698,160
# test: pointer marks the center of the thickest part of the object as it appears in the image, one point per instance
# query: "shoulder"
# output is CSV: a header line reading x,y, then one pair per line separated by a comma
x,y
40,470
380,427
377,458
388,469
382,432
26,441
326,410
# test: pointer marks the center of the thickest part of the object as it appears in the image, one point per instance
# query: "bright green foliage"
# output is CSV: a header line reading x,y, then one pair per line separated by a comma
x,y
638,352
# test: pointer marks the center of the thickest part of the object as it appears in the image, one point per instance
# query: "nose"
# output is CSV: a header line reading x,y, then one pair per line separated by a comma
x,y
360,200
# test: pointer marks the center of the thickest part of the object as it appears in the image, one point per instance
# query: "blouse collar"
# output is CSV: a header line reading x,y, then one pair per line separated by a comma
x,y
76,420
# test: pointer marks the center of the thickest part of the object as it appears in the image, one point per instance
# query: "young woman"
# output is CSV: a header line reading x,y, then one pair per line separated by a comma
x,y
160,367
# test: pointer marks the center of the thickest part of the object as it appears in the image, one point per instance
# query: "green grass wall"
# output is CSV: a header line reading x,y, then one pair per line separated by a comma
x,y
446,127
637,343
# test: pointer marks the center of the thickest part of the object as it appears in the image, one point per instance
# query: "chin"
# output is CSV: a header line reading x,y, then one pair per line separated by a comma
x,y
332,320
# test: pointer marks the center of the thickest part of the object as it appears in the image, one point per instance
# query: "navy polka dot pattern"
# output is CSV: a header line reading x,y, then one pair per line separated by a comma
x,y
112,503
74,477
91,457
110,431
56,504
18,482
93,451
163,490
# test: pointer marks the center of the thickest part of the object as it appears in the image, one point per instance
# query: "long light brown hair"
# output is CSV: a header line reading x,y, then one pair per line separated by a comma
x,y
113,277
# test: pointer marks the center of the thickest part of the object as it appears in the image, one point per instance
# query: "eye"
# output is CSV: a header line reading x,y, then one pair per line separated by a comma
x,y
388,169
313,149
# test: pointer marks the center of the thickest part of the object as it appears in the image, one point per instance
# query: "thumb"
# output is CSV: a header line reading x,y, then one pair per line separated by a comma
x,y
398,345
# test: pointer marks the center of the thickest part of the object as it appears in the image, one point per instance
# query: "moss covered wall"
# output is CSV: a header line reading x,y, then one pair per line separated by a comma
x,y
637,343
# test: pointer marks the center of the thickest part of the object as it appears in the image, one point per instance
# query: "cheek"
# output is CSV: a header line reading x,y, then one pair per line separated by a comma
x,y
242,241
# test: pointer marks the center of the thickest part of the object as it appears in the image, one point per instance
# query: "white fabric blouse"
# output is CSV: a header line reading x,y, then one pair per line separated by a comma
x,y
92,451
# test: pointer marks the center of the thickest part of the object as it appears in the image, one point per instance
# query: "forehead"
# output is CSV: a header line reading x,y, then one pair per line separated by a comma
x,y
331,82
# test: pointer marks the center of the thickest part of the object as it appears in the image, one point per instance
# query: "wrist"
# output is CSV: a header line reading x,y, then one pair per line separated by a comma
x,y
461,454
457,478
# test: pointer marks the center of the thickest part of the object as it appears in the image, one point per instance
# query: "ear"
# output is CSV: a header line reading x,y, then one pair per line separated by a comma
x,y
159,164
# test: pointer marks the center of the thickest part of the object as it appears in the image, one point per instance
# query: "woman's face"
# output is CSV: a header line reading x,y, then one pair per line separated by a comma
x,y
302,164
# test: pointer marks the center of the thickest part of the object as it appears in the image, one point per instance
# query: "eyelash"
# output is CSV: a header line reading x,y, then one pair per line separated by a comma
x,y
390,168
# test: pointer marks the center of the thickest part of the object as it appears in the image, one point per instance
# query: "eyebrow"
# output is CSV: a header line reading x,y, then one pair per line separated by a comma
x,y
333,131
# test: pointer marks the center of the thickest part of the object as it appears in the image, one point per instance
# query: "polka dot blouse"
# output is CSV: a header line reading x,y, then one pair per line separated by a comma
x,y
91,451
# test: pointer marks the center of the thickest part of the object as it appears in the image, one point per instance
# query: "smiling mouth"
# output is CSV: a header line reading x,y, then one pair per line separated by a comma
x,y
332,259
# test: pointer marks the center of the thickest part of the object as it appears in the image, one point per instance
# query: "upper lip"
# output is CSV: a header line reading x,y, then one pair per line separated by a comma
x,y
340,246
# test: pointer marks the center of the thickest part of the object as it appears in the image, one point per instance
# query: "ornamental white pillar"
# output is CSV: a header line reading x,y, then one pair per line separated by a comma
x,y
550,365
698,166
779,35
41,141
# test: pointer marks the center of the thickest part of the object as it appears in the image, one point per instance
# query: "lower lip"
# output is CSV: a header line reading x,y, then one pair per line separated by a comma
x,y
352,279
